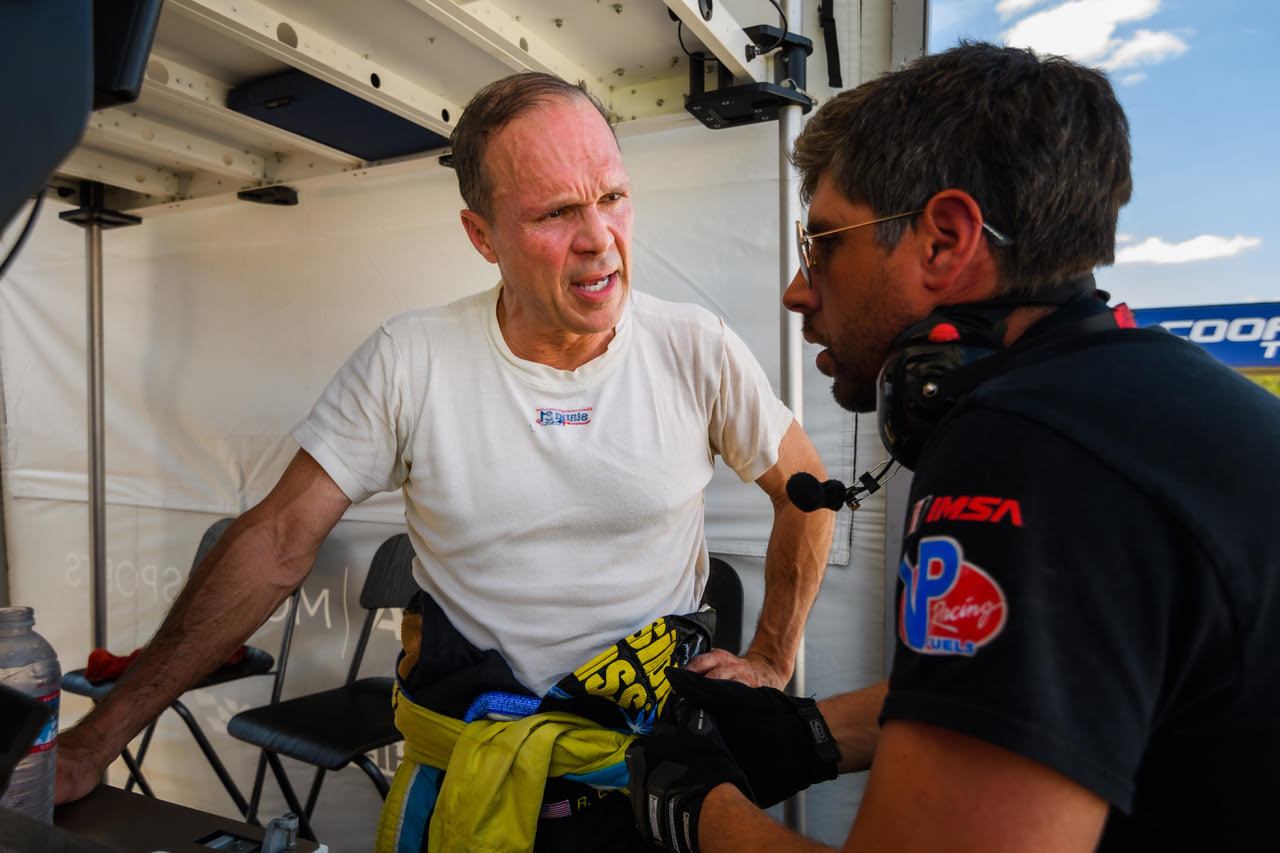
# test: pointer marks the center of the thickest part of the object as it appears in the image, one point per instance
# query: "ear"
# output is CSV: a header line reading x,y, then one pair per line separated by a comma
x,y
953,254
478,232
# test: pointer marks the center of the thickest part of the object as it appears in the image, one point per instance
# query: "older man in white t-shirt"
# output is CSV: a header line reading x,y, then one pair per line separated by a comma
x,y
552,437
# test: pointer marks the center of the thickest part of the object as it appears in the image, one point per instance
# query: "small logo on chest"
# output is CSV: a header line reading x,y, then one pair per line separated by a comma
x,y
563,417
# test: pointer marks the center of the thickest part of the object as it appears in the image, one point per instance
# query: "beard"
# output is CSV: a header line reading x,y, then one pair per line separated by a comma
x,y
860,347
854,388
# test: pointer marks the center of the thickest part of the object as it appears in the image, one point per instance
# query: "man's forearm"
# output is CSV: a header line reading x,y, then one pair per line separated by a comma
x,y
854,721
228,596
795,559
729,823
794,564
260,558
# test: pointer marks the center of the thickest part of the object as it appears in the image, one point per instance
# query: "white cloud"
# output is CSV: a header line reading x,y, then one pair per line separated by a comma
x,y
951,19
1009,8
1145,48
1081,29
1131,79
1154,250
1124,238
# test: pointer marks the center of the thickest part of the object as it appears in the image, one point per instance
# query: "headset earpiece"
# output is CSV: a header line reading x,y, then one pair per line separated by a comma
x,y
913,397
934,363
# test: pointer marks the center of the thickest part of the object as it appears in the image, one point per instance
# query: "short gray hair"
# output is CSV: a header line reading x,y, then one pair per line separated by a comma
x,y
493,108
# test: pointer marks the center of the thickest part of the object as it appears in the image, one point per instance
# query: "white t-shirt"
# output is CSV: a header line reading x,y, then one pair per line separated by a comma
x,y
552,511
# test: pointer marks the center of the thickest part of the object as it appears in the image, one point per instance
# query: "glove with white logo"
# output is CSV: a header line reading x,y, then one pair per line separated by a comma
x,y
782,743
671,772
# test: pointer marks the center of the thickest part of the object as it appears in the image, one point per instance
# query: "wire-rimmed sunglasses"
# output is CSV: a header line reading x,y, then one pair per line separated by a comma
x,y
804,240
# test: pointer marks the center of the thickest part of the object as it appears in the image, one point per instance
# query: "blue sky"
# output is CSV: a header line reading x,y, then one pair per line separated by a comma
x,y
1200,82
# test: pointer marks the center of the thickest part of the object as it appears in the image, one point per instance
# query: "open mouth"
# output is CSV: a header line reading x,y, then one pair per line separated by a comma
x,y
596,287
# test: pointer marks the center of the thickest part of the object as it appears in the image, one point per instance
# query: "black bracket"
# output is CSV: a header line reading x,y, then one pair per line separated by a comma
x,y
93,210
278,194
732,106
827,20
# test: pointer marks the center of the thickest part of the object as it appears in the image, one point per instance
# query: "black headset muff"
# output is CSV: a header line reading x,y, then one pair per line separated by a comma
x,y
935,362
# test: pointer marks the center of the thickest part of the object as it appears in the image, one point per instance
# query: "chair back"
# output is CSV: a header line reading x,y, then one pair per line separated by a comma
x,y
724,593
210,538
389,583
390,580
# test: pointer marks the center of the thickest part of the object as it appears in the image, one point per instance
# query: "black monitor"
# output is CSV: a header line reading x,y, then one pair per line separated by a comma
x,y
63,58
122,35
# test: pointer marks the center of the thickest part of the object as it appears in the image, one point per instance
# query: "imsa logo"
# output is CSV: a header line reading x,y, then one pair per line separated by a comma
x,y
563,417
993,510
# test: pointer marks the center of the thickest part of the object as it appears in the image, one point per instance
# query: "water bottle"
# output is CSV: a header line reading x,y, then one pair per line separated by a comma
x,y
29,664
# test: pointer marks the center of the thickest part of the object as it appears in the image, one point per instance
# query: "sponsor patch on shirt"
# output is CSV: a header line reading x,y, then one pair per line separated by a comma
x,y
563,417
988,508
949,606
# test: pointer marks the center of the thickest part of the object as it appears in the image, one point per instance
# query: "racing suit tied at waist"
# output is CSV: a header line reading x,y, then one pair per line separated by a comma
x,y
496,771
482,785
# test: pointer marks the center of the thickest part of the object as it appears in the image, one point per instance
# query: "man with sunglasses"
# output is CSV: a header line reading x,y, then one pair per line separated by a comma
x,y
1088,605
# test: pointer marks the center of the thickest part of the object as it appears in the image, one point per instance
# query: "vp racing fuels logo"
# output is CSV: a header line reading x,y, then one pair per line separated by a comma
x,y
948,606
564,417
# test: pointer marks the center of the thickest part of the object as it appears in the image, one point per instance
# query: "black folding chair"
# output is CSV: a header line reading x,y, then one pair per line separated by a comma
x,y
255,662
724,593
337,727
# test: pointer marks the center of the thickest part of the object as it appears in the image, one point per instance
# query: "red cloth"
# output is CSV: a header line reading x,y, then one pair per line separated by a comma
x,y
104,666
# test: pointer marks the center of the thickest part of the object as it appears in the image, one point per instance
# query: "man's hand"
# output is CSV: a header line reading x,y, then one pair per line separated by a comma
x,y
782,743
752,669
79,768
671,772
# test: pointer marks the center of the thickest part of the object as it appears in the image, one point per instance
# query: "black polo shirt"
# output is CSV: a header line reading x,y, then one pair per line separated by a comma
x,y
1091,578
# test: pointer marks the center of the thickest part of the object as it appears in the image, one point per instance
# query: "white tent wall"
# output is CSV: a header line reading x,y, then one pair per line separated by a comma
x,y
222,327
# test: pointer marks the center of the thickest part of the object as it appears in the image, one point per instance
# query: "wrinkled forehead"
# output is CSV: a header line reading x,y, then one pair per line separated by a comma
x,y
561,150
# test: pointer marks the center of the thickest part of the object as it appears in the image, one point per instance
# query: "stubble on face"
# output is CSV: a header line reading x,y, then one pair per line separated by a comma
x,y
859,346
853,305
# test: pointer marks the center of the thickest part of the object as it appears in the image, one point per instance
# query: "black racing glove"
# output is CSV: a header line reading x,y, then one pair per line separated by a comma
x,y
782,743
671,772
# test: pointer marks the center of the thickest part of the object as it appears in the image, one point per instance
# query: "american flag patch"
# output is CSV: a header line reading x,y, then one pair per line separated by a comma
x,y
554,810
